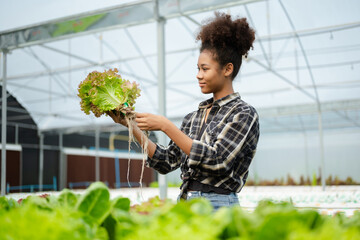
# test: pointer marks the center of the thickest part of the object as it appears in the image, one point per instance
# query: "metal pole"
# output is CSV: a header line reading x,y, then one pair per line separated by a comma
x,y
307,174
41,161
117,172
3,126
318,103
269,33
17,134
62,164
161,87
321,139
97,159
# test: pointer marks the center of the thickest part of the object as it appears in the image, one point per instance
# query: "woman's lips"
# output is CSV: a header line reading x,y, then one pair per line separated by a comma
x,y
202,84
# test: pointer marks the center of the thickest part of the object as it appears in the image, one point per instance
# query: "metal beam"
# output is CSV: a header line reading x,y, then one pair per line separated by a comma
x,y
309,109
262,38
35,89
86,66
17,134
140,52
97,158
16,109
321,135
53,30
97,21
86,128
281,52
281,69
41,161
191,32
310,32
47,67
302,109
161,74
62,164
92,64
332,85
283,78
22,125
19,117
269,32
3,123
69,54
257,37
14,91
191,19
344,116
208,6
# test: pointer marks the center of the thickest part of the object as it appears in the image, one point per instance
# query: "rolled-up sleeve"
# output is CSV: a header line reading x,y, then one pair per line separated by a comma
x,y
167,159
217,156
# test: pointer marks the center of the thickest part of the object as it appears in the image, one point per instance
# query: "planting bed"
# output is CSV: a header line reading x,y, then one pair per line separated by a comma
x,y
334,199
97,213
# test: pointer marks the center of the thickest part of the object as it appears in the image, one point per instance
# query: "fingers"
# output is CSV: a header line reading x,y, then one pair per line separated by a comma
x,y
140,115
142,121
142,128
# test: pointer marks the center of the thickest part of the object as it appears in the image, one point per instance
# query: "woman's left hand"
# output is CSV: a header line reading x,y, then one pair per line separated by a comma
x,y
150,122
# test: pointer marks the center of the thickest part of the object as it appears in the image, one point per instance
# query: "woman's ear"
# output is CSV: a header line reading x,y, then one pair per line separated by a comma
x,y
228,69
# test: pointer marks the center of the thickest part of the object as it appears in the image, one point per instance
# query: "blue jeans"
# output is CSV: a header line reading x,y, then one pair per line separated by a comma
x,y
217,200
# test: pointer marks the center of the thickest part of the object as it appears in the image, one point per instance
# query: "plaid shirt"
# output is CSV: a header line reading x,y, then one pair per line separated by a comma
x,y
222,155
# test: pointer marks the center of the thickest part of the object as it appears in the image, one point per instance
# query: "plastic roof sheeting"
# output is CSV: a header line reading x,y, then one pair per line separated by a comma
x,y
303,49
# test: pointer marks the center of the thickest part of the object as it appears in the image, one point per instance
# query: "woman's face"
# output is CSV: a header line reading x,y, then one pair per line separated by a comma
x,y
210,75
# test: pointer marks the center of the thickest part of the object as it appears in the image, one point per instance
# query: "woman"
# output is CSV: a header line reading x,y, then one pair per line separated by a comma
x,y
215,144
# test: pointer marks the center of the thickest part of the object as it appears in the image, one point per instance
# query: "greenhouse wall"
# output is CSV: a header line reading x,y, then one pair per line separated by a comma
x,y
13,167
298,154
81,171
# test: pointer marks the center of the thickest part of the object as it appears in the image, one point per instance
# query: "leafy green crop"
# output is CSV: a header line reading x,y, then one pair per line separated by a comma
x,y
106,91
93,215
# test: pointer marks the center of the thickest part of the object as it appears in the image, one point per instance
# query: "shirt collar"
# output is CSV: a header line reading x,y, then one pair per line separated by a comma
x,y
221,102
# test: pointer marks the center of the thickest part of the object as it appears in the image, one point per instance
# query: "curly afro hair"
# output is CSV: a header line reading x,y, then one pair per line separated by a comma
x,y
228,40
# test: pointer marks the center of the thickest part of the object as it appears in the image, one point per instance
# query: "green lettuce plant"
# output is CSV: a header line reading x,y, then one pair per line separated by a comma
x,y
93,215
108,93
101,92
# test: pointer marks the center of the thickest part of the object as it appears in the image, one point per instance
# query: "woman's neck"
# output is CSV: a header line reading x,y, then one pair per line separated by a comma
x,y
223,93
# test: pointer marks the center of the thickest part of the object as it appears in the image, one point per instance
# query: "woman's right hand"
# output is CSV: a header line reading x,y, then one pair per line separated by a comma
x,y
117,117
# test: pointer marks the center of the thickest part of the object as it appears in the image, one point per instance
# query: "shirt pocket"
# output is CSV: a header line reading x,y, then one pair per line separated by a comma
x,y
212,131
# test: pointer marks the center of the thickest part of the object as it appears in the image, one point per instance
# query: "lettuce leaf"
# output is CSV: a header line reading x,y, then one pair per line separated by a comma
x,y
106,91
95,203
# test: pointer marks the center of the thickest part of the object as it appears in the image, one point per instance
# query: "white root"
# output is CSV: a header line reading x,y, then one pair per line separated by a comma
x,y
145,142
130,121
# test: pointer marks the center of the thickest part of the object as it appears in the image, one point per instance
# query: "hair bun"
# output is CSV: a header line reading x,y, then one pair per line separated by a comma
x,y
221,32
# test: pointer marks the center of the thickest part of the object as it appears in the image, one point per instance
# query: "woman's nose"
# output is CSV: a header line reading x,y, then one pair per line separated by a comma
x,y
199,75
